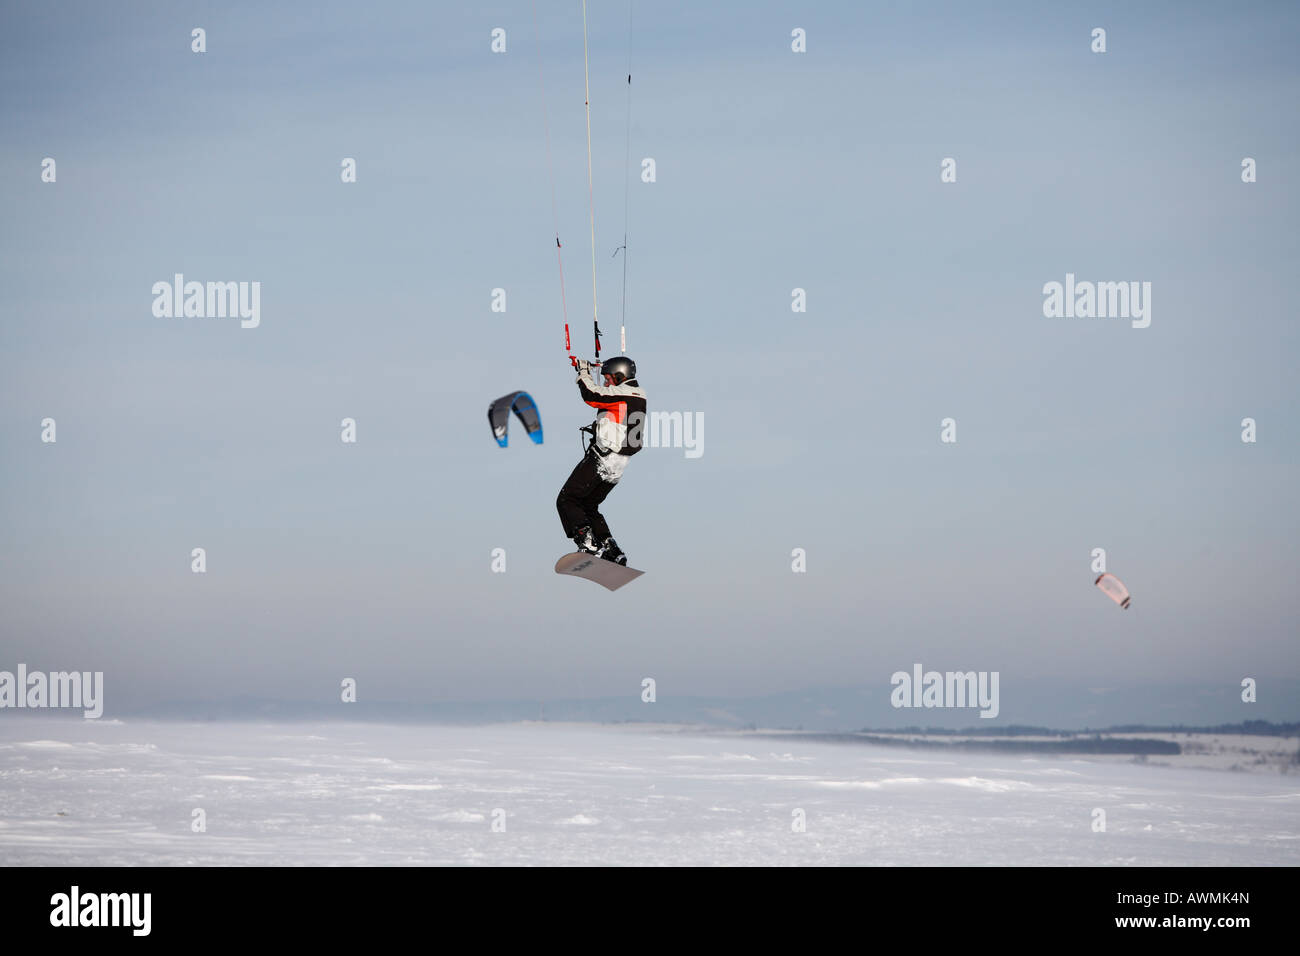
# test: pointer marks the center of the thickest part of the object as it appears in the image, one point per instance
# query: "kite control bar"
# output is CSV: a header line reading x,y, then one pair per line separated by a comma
x,y
574,360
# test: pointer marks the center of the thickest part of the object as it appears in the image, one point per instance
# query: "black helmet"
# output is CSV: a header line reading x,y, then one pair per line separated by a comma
x,y
621,367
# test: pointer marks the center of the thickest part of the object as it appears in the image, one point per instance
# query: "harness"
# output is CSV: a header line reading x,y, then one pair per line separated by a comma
x,y
592,447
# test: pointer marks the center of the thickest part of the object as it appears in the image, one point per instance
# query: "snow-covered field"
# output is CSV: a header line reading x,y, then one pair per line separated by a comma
x,y
84,792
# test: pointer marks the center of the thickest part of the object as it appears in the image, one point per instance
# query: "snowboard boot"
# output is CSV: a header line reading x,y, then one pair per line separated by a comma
x,y
585,542
610,551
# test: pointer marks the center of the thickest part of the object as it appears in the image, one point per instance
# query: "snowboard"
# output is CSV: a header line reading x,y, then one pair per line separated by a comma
x,y
607,574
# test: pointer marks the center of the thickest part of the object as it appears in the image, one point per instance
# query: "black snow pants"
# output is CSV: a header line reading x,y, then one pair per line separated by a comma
x,y
580,498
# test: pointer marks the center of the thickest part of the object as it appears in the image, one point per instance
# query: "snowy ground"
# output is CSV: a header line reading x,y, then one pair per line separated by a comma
x,y
84,792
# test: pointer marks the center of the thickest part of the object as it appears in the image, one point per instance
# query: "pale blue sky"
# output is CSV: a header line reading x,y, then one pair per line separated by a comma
x,y
775,170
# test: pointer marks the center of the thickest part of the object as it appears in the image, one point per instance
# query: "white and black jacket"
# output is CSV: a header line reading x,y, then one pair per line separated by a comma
x,y
620,422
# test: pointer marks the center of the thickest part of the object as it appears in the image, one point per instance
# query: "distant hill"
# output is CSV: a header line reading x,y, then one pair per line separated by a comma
x,y
1028,708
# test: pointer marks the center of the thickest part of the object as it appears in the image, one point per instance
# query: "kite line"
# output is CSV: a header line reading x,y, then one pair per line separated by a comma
x,y
550,170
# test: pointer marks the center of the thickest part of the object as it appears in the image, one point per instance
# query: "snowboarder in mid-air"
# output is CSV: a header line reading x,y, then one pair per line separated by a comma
x,y
615,437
